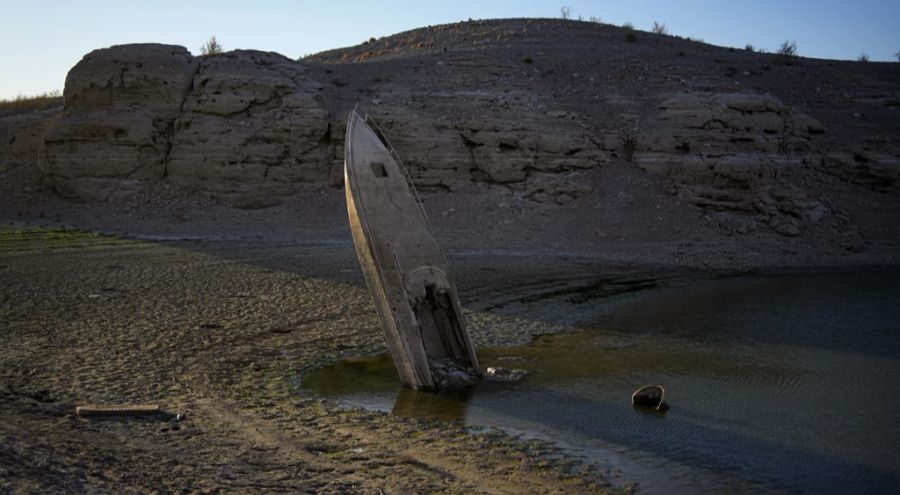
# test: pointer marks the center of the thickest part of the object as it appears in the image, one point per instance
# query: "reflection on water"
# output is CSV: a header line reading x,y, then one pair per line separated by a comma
x,y
776,384
413,404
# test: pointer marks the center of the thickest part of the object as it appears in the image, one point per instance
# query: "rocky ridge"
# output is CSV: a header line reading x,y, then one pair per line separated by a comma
x,y
529,106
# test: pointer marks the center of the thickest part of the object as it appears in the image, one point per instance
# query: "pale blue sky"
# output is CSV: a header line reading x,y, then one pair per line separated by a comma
x,y
43,39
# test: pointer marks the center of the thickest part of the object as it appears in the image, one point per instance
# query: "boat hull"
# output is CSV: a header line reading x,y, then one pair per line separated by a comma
x,y
405,268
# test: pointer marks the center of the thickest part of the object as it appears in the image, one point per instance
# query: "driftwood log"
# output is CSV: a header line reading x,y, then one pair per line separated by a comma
x,y
95,410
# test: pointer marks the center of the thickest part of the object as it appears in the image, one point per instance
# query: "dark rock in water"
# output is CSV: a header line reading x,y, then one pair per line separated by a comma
x,y
653,396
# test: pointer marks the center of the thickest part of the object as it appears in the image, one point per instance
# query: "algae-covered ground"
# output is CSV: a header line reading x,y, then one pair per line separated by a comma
x,y
221,333
33,238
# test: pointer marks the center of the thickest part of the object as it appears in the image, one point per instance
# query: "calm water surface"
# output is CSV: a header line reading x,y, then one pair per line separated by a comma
x,y
776,384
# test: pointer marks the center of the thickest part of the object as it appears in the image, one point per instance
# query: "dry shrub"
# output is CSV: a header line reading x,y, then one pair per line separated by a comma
x,y
211,48
36,102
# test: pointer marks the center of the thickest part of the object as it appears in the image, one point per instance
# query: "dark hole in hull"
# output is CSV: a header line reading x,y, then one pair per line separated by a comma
x,y
378,169
440,328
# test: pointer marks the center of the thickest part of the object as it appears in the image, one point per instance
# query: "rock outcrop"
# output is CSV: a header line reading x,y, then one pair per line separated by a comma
x,y
728,151
251,130
21,140
120,109
532,154
878,171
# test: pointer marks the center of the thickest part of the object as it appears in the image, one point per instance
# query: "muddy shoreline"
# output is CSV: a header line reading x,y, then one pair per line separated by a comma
x,y
221,332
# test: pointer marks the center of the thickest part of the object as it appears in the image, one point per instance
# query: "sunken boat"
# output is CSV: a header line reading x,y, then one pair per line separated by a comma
x,y
404,267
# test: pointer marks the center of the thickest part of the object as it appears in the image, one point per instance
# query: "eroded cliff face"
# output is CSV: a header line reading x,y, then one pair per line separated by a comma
x,y
249,127
529,152
244,126
117,126
252,128
732,152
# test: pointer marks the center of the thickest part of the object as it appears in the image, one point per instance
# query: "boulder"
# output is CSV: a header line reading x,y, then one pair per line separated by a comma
x,y
116,129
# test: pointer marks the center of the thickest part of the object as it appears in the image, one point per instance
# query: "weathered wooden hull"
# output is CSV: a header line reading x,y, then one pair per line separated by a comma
x,y
404,268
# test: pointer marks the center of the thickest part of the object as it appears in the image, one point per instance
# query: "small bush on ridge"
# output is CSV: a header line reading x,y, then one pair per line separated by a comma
x,y
788,49
211,47
787,52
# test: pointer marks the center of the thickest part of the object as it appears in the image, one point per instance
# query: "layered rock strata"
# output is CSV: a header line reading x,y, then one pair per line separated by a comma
x,y
730,152
117,126
250,129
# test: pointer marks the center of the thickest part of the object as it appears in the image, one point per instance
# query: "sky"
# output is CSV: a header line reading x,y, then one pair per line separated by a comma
x,y
43,39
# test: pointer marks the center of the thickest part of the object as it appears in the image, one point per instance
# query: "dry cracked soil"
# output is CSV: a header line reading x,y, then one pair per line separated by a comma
x,y
218,333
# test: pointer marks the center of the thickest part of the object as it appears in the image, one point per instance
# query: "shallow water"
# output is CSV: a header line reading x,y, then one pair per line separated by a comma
x,y
776,384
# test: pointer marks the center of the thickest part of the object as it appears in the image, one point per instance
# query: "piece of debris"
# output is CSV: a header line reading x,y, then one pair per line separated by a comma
x,y
451,376
650,396
118,410
499,374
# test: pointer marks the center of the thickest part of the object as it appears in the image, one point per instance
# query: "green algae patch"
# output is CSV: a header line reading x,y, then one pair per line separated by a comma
x,y
32,238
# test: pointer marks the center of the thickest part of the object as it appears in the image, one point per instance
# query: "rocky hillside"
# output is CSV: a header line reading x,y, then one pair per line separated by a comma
x,y
533,108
